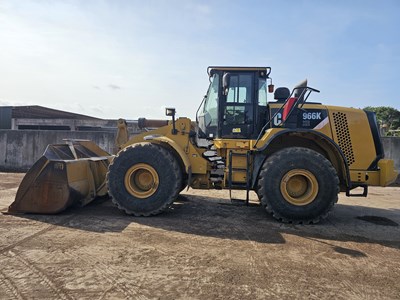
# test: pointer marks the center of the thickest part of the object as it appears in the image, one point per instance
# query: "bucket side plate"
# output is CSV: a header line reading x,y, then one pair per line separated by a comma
x,y
58,180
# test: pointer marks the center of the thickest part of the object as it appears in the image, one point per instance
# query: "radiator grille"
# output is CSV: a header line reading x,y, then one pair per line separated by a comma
x,y
343,136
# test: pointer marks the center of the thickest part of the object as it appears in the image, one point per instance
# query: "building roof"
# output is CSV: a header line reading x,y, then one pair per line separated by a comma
x,y
40,112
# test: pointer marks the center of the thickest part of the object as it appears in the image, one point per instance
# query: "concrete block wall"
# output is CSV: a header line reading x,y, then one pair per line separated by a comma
x,y
391,146
19,149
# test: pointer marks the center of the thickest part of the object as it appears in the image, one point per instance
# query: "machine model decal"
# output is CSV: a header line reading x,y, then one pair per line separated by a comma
x,y
306,118
322,123
312,116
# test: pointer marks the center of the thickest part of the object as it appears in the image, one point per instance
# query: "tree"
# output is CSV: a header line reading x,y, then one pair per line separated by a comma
x,y
386,115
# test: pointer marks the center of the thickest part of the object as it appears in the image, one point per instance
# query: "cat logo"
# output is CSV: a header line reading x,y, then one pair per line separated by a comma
x,y
277,119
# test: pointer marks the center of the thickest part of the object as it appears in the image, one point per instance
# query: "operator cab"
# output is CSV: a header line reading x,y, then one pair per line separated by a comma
x,y
235,105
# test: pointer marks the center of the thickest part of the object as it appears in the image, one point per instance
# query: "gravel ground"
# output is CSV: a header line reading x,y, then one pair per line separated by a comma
x,y
202,248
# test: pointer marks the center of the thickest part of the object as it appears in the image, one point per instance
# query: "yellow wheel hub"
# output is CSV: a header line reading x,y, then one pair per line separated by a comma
x,y
141,180
299,187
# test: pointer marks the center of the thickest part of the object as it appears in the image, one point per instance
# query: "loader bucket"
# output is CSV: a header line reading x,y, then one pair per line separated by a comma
x,y
67,174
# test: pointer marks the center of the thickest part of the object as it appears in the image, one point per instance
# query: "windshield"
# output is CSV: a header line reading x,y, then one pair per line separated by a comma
x,y
208,112
211,104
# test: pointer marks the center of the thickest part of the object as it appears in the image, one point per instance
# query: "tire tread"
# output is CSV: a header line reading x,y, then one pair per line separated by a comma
x,y
175,170
278,156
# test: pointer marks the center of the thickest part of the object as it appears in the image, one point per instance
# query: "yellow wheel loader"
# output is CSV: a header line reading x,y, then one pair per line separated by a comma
x,y
296,155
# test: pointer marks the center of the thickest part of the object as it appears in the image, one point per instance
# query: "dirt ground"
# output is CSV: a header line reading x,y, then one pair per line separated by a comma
x,y
202,248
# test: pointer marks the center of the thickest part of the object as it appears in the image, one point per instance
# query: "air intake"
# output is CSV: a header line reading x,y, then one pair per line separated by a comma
x,y
343,136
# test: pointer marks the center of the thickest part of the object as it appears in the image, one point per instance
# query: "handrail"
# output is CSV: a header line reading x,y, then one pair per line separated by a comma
x,y
305,89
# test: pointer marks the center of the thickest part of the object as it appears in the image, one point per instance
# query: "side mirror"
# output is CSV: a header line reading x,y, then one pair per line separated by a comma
x,y
225,83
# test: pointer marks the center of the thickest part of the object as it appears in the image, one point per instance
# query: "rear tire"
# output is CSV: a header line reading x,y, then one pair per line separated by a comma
x,y
184,185
298,185
144,179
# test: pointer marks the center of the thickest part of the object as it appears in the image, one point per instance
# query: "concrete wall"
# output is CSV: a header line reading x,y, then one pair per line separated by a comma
x,y
391,146
19,149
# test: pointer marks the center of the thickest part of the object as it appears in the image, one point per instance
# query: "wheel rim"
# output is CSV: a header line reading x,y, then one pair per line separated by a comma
x,y
299,187
141,180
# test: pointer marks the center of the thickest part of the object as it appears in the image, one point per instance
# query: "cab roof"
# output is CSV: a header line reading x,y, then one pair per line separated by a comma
x,y
267,70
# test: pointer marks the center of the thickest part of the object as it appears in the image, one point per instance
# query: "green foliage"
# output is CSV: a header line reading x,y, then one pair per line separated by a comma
x,y
386,115
393,133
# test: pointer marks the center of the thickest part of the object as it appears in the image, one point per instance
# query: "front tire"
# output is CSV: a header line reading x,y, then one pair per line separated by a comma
x,y
144,179
298,185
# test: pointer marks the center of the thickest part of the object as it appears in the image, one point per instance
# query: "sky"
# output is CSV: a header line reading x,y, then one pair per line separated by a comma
x,y
131,59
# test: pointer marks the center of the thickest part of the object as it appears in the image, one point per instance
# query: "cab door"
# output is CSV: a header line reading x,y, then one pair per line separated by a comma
x,y
237,109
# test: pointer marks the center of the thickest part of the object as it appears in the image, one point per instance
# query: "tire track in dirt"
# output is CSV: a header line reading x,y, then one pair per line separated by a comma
x,y
349,289
253,263
324,261
36,234
57,292
109,273
10,287
91,263
103,295
236,229
7,252
187,278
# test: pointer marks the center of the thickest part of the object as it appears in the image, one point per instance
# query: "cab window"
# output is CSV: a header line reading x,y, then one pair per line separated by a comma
x,y
262,91
240,89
